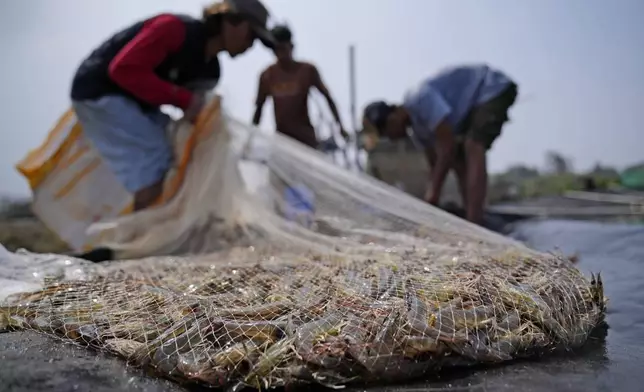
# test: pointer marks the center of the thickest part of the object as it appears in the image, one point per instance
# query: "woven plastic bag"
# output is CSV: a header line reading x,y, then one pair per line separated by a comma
x,y
77,196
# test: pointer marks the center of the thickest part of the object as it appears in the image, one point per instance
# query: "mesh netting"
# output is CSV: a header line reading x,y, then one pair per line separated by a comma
x,y
308,273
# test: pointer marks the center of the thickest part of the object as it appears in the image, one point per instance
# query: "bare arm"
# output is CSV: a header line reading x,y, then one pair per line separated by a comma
x,y
476,180
262,94
321,87
133,67
445,152
430,154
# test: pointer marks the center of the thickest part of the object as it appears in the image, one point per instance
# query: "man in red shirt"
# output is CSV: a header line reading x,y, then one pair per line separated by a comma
x,y
288,82
167,59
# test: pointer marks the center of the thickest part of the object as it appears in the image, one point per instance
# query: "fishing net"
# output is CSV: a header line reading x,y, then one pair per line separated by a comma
x,y
281,268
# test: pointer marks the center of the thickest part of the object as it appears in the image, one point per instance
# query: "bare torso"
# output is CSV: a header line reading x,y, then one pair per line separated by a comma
x,y
290,90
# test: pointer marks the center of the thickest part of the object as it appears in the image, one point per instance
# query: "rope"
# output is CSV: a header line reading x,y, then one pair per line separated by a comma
x,y
329,145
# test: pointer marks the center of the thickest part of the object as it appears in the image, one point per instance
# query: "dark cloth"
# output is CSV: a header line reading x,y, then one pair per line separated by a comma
x,y
485,122
152,62
304,134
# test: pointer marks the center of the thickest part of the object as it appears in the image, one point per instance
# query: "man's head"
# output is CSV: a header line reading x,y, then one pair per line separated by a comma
x,y
382,120
233,26
283,43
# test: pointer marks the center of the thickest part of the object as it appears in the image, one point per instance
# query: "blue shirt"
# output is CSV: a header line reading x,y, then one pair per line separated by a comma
x,y
451,95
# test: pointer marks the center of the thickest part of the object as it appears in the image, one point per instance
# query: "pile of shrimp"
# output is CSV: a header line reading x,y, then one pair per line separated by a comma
x,y
281,321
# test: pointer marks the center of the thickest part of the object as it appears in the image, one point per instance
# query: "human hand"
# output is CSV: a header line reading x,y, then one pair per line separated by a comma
x,y
196,105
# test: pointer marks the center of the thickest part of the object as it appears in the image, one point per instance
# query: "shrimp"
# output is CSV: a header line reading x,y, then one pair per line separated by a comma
x,y
535,308
520,339
384,341
269,311
75,330
268,361
197,365
385,279
378,357
237,353
450,320
255,330
124,347
418,317
308,334
478,350
415,345
147,352
5,322
510,322
396,289
361,286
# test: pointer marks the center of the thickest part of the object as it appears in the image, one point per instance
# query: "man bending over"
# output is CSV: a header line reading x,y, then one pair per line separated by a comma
x,y
456,116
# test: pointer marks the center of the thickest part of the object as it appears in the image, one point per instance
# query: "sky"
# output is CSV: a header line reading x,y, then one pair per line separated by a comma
x,y
579,65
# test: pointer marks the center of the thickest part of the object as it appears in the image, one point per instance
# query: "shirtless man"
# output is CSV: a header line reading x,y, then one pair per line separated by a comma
x,y
288,82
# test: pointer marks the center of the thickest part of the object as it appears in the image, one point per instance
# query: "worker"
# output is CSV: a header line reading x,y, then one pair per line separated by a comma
x,y
288,82
455,116
167,59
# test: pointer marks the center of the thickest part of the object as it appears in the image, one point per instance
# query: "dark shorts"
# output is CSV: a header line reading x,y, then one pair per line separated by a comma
x,y
303,134
485,122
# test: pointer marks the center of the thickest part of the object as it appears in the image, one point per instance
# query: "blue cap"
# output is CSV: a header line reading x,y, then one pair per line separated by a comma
x,y
374,120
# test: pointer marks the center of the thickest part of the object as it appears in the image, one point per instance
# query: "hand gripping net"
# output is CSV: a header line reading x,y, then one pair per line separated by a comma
x,y
294,270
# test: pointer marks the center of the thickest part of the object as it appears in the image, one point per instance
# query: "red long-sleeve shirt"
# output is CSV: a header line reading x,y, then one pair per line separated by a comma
x,y
133,67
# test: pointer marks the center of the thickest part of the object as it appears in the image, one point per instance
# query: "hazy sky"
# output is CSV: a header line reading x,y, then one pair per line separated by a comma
x,y
579,64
